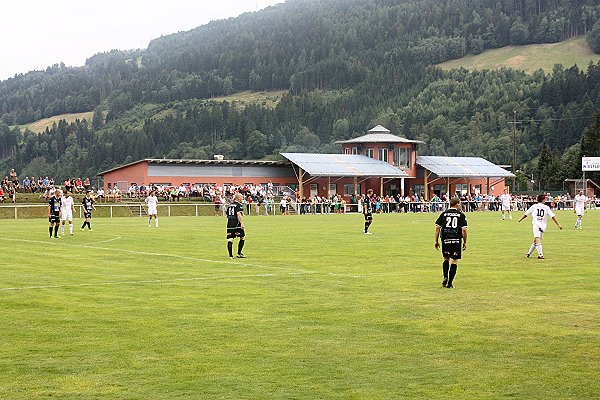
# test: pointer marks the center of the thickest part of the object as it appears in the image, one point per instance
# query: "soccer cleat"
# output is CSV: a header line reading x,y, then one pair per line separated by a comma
x,y
527,255
231,257
81,229
368,233
71,233
540,257
56,237
444,282
449,286
91,230
241,256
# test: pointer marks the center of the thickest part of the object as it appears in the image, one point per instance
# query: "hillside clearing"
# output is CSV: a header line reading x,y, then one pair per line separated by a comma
x,y
530,58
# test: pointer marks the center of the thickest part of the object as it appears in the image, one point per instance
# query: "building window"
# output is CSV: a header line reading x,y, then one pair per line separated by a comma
x,y
314,189
370,152
349,189
332,189
383,154
347,150
403,157
355,150
461,188
419,189
440,190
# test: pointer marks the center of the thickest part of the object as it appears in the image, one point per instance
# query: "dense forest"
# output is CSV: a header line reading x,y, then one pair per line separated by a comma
x,y
346,65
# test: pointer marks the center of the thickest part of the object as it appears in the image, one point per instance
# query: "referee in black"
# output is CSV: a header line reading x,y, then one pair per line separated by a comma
x,y
452,225
235,225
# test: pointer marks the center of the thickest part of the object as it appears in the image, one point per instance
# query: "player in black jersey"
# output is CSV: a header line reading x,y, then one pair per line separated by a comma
x,y
368,210
88,205
452,224
235,225
54,213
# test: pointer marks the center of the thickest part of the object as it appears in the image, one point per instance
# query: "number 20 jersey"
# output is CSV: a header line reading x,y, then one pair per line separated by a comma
x,y
451,221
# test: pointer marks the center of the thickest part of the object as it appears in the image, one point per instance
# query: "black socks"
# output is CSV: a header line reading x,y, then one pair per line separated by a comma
x,y
452,273
230,248
241,246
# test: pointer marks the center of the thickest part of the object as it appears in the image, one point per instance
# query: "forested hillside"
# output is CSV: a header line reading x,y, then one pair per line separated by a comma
x,y
346,64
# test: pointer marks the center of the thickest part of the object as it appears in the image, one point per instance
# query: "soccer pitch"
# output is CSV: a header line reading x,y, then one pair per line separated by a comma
x,y
318,310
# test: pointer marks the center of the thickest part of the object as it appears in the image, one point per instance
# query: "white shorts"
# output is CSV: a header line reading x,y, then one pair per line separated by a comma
x,y
537,232
67,216
505,207
579,211
152,211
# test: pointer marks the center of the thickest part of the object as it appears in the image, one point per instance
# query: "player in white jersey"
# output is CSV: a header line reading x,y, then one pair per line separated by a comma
x,y
539,213
152,203
67,207
506,199
579,207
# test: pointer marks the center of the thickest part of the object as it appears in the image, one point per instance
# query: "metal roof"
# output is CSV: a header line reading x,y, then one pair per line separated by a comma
x,y
457,167
343,165
200,162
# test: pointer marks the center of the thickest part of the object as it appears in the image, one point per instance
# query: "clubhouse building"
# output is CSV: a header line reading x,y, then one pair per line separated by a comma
x,y
379,160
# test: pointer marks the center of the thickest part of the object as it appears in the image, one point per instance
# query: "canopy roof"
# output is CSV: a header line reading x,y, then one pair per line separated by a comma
x,y
457,167
344,165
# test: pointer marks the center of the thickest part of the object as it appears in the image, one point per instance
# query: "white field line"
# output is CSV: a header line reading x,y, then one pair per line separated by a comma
x,y
291,271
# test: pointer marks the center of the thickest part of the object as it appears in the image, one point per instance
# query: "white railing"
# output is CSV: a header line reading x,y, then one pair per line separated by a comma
x,y
12,211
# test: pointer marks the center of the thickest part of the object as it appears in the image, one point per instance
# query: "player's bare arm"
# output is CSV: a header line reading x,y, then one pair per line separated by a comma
x,y
464,235
557,223
437,236
240,216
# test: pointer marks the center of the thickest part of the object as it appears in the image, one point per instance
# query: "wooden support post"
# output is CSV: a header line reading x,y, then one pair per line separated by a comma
x,y
355,185
402,187
300,183
426,184
381,186
488,187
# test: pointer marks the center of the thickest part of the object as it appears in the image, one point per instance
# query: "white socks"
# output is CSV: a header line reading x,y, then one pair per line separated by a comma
x,y
538,247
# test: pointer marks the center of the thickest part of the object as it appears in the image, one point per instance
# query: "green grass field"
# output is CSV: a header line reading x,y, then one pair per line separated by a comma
x,y
318,310
530,58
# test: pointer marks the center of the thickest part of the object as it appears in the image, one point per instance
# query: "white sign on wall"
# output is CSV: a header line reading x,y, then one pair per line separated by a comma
x,y
590,163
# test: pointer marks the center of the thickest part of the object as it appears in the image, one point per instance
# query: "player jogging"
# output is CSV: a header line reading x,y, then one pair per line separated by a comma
x,y
579,207
368,210
539,213
88,205
235,225
152,202
505,200
54,213
451,225
67,206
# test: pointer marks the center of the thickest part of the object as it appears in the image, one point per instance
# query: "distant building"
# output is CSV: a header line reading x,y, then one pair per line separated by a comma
x,y
588,186
379,160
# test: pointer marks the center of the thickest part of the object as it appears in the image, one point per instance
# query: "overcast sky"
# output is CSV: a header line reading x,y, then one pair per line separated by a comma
x,y
37,33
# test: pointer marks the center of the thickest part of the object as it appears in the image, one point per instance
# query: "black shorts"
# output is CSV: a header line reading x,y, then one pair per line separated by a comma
x,y
87,214
54,219
451,248
235,232
368,216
